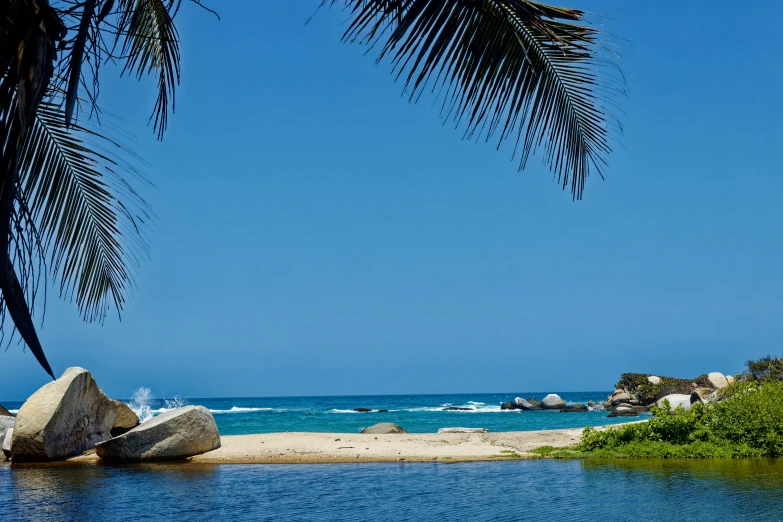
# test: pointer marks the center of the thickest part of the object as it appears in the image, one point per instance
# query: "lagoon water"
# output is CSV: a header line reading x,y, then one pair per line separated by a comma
x,y
416,413
619,490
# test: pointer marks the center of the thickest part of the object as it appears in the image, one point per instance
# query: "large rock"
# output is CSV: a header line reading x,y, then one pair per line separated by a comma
x,y
6,443
384,428
463,430
619,397
552,402
730,379
126,419
718,380
63,418
535,403
4,412
508,406
653,379
523,404
676,399
624,411
176,434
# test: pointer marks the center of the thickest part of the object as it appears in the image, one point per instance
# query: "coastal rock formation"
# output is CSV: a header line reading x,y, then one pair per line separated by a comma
x,y
531,404
675,400
4,412
63,418
576,407
619,397
126,419
463,430
6,443
362,410
552,402
536,405
384,428
175,434
718,380
653,379
624,411
457,408
508,406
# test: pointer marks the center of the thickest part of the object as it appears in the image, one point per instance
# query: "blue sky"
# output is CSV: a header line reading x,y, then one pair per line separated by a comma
x,y
318,235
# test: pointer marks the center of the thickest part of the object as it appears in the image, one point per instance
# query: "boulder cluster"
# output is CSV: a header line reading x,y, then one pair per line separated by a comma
x,y
636,393
72,415
551,402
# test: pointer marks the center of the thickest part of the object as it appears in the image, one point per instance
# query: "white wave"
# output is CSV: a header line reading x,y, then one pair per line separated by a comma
x,y
13,411
140,403
476,403
239,409
342,411
597,407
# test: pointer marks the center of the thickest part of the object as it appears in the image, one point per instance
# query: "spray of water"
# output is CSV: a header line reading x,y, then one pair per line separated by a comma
x,y
140,403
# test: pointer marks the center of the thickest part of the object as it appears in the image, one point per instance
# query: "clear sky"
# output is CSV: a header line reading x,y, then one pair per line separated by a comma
x,y
318,235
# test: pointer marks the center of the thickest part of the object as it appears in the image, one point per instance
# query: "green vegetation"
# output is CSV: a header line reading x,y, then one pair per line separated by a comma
x,y
747,423
765,369
649,393
507,454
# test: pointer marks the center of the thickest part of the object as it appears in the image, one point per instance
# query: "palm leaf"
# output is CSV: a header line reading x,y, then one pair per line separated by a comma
x,y
150,43
89,217
517,69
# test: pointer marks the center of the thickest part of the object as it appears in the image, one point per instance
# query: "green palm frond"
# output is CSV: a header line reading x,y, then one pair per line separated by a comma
x,y
517,69
89,217
150,44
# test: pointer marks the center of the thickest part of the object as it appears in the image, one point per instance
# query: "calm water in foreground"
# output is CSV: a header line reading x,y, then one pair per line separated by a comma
x,y
522,490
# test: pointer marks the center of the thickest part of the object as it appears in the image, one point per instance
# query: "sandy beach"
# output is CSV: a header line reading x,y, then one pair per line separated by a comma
x,y
322,448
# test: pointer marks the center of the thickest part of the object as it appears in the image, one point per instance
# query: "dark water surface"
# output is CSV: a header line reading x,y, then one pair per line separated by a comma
x,y
616,490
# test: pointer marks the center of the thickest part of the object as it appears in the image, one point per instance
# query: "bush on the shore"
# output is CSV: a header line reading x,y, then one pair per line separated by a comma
x,y
767,368
748,423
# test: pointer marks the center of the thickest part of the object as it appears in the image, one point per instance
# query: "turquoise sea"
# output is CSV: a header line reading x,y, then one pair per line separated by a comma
x,y
415,413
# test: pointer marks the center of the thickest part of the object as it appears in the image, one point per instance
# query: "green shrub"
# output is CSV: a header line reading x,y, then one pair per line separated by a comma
x,y
748,423
767,368
649,393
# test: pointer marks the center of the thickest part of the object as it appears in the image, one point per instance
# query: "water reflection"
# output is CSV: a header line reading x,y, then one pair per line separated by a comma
x,y
611,490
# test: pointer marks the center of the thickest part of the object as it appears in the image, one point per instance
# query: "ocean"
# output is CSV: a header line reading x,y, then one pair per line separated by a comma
x,y
415,413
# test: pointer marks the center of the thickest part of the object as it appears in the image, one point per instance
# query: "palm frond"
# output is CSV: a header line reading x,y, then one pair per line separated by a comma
x,y
522,70
151,47
90,218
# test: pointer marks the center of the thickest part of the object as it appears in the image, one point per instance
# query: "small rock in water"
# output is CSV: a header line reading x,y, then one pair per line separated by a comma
x,y
623,412
383,411
508,406
457,408
577,407
463,430
384,428
362,410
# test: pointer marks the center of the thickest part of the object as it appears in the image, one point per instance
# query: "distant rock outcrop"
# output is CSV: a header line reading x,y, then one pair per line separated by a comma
x,y
63,418
552,402
175,434
384,428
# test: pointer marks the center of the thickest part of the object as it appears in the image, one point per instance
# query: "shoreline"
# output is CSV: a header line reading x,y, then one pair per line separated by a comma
x,y
334,448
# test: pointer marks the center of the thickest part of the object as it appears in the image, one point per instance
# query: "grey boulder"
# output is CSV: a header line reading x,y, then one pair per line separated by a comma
x,y
675,400
126,419
384,428
176,434
552,402
6,443
63,418
6,423
576,407
523,404
508,406
624,411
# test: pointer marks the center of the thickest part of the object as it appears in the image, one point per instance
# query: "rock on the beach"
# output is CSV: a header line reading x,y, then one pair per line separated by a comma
x,y
384,428
653,379
63,418
463,430
552,402
676,399
4,412
508,406
576,407
717,379
6,442
126,419
6,423
175,434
